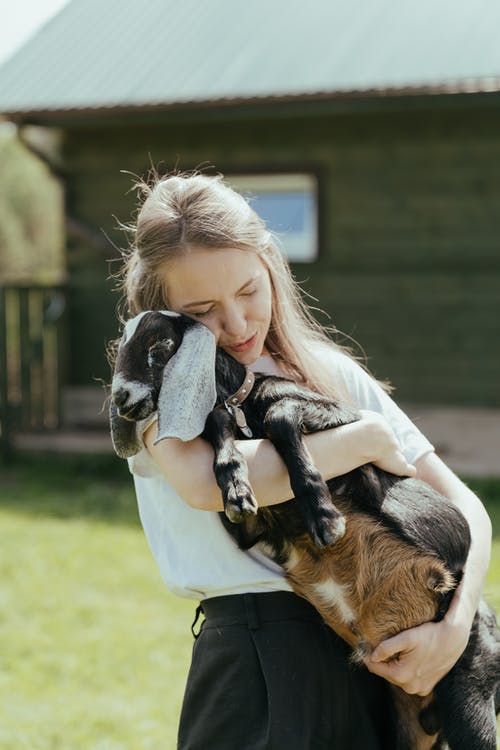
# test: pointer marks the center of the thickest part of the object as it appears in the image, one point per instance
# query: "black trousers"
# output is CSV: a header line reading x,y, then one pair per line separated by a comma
x,y
267,674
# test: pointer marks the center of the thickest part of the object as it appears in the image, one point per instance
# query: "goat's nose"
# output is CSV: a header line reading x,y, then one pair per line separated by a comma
x,y
120,397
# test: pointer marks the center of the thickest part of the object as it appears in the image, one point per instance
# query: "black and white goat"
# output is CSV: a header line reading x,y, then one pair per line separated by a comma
x,y
374,553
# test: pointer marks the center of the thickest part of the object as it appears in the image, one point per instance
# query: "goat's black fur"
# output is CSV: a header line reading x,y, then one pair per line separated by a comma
x,y
467,699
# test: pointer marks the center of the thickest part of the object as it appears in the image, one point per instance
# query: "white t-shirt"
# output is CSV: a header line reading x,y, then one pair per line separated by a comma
x,y
196,556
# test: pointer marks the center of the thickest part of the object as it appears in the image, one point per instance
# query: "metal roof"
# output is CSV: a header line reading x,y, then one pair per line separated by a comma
x,y
108,53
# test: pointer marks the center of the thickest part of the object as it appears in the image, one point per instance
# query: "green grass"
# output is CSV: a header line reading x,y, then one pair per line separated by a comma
x,y
489,492
94,649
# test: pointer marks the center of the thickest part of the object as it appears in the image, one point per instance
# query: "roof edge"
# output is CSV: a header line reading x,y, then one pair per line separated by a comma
x,y
470,86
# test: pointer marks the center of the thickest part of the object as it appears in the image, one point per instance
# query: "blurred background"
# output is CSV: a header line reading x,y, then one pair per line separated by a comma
x,y
367,136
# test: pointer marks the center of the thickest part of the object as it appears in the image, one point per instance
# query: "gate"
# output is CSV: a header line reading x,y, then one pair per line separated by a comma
x,y
30,360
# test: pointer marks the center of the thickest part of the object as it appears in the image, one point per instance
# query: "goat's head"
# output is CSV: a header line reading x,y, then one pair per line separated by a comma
x,y
141,357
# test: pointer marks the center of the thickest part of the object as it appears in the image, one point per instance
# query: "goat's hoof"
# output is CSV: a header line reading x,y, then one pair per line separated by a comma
x,y
242,507
325,535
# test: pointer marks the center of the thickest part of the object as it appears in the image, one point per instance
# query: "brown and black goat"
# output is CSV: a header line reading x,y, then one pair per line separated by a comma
x,y
374,553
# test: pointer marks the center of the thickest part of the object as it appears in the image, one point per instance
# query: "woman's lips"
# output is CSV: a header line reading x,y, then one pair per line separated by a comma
x,y
245,345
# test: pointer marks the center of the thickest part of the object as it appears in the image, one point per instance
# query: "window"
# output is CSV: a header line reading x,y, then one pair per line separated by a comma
x,y
288,205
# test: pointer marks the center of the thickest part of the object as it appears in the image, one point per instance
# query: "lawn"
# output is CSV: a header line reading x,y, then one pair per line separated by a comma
x,y
94,649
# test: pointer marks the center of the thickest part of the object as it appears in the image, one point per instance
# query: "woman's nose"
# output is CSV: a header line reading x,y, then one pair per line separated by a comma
x,y
234,322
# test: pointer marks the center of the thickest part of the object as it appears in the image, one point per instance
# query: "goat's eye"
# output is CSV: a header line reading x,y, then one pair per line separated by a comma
x,y
160,353
155,359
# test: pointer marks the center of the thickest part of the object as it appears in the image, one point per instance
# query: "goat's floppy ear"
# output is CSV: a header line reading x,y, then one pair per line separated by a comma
x,y
188,393
123,434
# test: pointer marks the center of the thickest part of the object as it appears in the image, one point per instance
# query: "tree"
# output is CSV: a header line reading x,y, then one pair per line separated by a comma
x,y
31,215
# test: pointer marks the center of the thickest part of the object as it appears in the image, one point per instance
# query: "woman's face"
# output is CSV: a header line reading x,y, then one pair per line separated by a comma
x,y
229,291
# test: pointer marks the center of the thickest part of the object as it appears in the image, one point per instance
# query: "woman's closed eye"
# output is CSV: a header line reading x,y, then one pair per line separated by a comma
x,y
248,292
201,313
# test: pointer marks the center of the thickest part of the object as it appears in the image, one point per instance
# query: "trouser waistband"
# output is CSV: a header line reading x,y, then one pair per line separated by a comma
x,y
254,609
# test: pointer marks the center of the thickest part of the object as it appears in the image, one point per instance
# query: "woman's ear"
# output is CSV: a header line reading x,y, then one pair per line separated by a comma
x,y
123,434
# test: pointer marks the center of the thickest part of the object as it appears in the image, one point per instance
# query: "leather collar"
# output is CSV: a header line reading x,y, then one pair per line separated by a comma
x,y
241,394
232,403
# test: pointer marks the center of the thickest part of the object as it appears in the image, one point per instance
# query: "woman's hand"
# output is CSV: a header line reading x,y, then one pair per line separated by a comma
x,y
382,447
415,660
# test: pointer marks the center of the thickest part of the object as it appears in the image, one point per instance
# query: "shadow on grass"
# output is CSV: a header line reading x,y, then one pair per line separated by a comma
x,y
92,487
101,487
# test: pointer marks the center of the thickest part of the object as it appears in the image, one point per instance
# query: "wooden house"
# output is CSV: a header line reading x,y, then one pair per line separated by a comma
x,y
384,115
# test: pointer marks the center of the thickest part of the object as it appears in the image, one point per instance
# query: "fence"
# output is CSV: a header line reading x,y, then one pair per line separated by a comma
x,y
30,360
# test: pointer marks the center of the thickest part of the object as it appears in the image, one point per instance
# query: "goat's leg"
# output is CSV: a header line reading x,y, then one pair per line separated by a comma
x,y
318,412
467,694
468,724
466,699
284,425
230,467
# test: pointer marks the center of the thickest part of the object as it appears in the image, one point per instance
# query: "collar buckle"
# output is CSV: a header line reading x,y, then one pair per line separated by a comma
x,y
232,403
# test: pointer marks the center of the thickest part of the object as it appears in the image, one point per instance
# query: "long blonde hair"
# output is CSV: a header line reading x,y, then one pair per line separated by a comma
x,y
181,211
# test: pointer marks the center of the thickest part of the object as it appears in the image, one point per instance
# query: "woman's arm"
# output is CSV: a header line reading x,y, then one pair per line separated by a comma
x,y
188,466
428,652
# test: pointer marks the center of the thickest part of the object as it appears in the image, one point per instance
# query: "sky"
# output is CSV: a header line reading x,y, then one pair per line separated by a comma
x,y
20,19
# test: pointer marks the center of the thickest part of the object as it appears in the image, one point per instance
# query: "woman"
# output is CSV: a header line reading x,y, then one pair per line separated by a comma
x,y
266,673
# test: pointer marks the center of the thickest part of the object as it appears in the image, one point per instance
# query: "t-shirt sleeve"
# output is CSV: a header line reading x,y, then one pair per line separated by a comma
x,y
368,394
142,464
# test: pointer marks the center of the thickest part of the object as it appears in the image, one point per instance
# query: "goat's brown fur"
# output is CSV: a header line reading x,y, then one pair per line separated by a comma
x,y
369,586
380,584
410,731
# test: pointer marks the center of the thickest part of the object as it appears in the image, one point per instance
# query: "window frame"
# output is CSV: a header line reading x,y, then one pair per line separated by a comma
x,y
297,247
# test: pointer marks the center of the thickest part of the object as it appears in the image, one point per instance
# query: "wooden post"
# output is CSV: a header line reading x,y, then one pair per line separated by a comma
x,y
25,356
5,432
